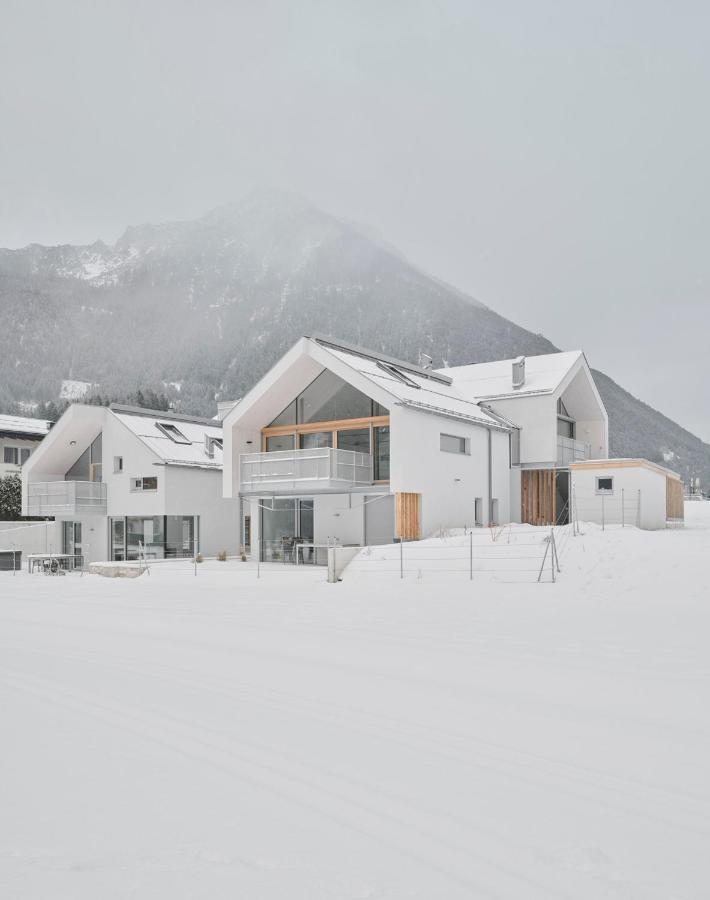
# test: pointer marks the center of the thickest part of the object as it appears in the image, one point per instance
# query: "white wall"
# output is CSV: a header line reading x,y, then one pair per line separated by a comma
x,y
628,482
31,537
198,492
24,443
537,419
448,482
138,461
339,517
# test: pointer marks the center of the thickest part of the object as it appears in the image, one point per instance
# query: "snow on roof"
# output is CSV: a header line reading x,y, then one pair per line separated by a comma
x,y
22,425
486,381
144,424
422,392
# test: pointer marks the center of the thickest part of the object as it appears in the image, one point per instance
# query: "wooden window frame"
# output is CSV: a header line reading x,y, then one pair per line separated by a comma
x,y
334,425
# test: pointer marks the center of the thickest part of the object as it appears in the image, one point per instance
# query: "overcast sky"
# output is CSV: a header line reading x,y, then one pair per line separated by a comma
x,y
550,158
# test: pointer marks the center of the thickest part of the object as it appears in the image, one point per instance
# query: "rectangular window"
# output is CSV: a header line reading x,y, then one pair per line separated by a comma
x,y
605,485
356,439
450,443
279,442
118,464
10,455
478,510
24,455
315,439
173,432
149,483
382,453
515,447
565,428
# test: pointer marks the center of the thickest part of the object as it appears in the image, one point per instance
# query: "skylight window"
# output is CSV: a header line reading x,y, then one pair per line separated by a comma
x,y
173,432
398,374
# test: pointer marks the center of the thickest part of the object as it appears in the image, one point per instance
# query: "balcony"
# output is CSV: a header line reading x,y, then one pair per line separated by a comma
x,y
569,451
66,498
291,471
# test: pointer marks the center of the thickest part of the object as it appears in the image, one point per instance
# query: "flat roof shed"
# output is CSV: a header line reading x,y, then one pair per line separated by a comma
x,y
626,492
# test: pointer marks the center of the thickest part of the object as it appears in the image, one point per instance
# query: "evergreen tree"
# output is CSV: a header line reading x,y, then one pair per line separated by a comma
x,y
10,498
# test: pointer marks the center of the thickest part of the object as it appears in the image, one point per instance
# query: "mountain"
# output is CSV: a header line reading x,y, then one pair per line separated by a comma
x,y
203,308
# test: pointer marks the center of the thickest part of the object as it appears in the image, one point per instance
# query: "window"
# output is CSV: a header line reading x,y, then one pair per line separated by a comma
x,y
314,439
565,428
173,432
382,453
398,374
149,483
605,485
10,455
328,399
478,510
451,443
24,455
356,439
118,464
515,447
279,442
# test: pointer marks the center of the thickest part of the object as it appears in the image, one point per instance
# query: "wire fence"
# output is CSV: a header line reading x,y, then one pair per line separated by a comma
x,y
619,508
512,553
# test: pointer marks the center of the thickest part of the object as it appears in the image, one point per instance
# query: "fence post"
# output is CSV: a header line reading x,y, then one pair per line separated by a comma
x,y
259,546
623,524
470,557
542,564
401,558
552,554
602,512
638,510
13,559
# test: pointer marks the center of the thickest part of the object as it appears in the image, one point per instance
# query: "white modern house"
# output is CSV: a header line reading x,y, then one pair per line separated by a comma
x,y
124,480
338,444
19,437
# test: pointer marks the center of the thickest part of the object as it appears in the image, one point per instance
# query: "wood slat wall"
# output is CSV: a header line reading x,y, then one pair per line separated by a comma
x,y
408,516
539,496
674,499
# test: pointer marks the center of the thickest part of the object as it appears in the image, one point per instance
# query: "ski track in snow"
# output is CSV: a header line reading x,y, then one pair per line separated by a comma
x,y
218,736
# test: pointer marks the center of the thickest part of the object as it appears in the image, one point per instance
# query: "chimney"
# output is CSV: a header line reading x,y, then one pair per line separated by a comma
x,y
425,361
519,372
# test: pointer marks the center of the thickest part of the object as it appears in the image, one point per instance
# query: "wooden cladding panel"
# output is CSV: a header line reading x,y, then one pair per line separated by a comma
x,y
408,516
674,499
539,496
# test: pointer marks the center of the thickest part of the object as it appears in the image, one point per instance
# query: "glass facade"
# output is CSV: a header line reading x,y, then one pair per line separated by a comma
x,y
280,442
316,439
382,453
356,439
326,399
284,525
157,537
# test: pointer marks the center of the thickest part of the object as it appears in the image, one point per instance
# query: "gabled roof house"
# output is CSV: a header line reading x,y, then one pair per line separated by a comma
x,y
19,437
124,480
337,443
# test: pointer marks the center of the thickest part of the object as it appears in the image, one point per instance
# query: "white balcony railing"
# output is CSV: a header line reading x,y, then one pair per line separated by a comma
x,y
66,498
569,450
321,468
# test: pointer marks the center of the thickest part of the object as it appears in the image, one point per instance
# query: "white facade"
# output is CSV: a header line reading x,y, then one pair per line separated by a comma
x,y
19,438
622,492
467,443
103,465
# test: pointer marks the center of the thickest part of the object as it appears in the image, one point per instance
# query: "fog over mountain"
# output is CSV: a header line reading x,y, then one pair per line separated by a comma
x,y
201,309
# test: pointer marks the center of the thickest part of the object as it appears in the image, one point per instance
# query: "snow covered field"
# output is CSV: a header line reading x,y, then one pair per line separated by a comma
x,y
227,737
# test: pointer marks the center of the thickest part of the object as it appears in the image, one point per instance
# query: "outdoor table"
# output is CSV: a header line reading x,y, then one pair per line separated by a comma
x,y
64,560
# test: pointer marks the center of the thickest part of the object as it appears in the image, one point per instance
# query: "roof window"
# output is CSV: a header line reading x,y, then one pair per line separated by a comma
x,y
398,374
173,432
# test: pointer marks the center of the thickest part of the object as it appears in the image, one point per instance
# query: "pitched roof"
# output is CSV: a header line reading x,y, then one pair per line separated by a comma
x,y
21,425
494,380
144,424
421,389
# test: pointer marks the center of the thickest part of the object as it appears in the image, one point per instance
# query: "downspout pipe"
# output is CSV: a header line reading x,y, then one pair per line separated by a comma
x,y
490,476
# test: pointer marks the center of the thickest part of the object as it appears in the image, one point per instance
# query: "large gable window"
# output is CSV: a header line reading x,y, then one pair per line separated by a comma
x,y
328,399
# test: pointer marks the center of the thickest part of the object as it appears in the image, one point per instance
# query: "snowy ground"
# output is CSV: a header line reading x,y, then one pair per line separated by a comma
x,y
227,737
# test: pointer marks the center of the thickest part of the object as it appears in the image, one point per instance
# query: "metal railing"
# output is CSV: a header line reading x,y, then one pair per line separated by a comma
x,y
569,450
320,467
66,498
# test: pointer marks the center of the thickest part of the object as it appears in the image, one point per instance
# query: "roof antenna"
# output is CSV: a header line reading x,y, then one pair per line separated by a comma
x,y
425,361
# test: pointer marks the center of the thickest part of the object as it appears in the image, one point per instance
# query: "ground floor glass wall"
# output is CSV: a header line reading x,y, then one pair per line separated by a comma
x,y
287,529
155,537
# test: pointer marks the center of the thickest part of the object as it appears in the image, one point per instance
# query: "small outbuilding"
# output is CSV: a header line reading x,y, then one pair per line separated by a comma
x,y
626,492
